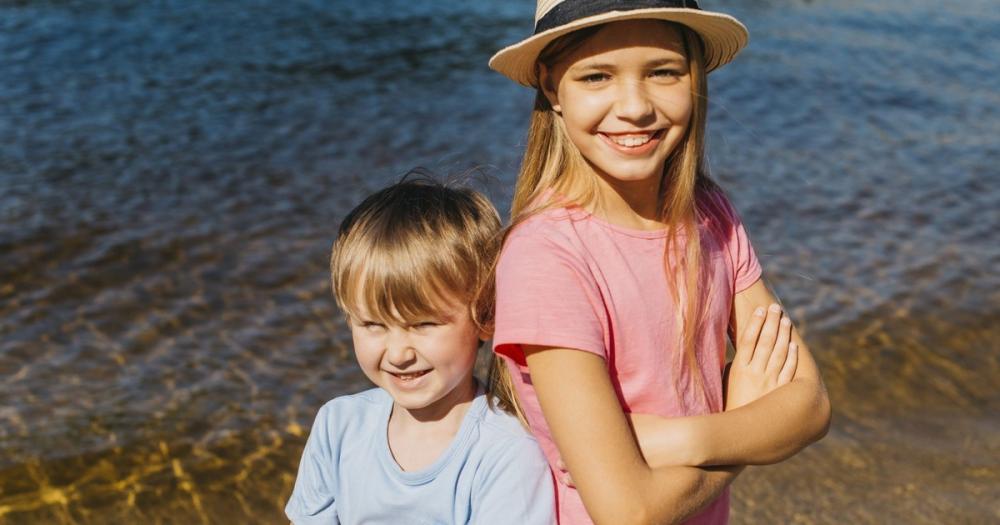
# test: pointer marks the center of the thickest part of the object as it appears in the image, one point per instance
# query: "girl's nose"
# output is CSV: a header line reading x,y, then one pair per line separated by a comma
x,y
633,102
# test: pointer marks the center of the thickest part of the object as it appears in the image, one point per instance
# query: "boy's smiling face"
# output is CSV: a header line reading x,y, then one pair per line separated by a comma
x,y
424,364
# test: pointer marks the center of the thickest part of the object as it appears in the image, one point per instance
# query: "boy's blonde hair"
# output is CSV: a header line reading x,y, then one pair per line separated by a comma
x,y
409,250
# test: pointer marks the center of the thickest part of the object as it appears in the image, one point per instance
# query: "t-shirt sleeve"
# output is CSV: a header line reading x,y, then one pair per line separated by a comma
x,y
746,267
516,487
546,296
312,501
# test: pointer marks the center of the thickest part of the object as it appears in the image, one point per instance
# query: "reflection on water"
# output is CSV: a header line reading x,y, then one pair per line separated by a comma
x,y
171,175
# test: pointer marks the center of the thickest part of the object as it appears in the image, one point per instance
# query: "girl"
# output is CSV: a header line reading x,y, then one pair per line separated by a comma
x,y
626,267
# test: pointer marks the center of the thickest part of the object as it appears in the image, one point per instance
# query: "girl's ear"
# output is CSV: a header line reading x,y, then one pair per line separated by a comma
x,y
545,82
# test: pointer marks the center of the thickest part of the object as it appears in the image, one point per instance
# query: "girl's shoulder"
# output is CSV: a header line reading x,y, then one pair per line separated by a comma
x,y
546,219
553,239
713,203
716,212
549,228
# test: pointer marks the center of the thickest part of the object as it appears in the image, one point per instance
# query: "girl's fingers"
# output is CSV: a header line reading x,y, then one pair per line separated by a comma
x,y
788,370
768,335
780,352
748,339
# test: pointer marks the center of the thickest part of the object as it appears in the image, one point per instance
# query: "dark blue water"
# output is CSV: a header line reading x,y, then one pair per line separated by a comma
x,y
172,174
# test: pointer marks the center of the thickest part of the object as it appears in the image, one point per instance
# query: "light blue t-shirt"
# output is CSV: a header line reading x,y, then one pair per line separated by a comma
x,y
493,472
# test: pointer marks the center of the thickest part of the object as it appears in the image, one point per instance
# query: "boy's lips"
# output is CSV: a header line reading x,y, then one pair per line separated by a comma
x,y
407,378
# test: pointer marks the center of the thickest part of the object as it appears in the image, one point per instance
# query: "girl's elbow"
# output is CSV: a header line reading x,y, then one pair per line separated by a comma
x,y
620,510
665,507
628,516
816,411
824,414
621,507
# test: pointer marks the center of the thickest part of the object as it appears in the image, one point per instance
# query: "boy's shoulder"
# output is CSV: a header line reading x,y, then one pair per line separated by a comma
x,y
353,409
497,426
367,398
506,449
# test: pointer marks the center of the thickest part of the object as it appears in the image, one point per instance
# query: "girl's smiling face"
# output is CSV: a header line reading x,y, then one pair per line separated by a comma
x,y
625,99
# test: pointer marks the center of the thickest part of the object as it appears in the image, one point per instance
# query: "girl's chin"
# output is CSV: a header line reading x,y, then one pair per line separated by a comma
x,y
646,174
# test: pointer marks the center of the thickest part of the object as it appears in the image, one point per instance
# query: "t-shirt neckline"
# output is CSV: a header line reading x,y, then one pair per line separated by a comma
x,y
578,212
419,477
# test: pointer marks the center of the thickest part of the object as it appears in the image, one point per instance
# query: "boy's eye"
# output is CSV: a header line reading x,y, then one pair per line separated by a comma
x,y
372,325
666,73
425,324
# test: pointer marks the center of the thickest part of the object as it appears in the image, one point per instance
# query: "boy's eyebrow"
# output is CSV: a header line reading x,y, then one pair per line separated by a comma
x,y
431,316
420,318
665,61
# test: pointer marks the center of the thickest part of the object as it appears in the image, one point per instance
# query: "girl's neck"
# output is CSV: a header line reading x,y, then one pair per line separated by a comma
x,y
631,204
417,438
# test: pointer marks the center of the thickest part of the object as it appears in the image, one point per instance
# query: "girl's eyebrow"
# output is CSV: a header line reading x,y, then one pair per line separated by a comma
x,y
610,67
596,65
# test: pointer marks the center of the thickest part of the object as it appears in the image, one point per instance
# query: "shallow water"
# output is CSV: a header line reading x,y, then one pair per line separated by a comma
x,y
171,175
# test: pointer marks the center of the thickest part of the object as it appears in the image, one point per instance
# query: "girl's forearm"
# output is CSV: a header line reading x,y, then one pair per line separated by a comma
x,y
768,430
615,483
692,489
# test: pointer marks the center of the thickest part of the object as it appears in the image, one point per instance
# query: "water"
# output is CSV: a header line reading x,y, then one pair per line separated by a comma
x,y
172,174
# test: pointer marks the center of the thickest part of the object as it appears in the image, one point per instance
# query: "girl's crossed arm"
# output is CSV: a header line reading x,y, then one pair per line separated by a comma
x,y
752,430
593,437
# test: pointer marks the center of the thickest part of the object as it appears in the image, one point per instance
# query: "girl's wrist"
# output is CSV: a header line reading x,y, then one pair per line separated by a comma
x,y
666,442
688,442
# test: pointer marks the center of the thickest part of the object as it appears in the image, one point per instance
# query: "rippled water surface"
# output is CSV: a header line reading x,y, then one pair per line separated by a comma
x,y
171,175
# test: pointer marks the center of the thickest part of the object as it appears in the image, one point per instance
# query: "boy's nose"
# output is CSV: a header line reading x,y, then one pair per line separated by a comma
x,y
399,351
633,102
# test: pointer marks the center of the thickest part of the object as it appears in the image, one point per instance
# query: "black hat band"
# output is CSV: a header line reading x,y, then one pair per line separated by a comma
x,y
572,10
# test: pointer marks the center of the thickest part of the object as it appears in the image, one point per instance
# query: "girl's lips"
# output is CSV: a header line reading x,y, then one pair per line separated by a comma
x,y
654,140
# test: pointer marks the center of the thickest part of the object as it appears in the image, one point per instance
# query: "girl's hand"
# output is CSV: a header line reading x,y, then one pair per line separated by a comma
x,y
766,358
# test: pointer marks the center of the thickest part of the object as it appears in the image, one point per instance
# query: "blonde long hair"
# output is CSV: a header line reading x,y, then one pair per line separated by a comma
x,y
551,162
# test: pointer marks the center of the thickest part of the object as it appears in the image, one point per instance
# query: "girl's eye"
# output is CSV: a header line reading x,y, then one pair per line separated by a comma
x,y
594,78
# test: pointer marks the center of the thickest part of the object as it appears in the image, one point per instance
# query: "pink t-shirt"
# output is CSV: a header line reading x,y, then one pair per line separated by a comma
x,y
571,280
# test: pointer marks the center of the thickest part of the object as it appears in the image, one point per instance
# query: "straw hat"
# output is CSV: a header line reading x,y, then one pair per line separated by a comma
x,y
723,35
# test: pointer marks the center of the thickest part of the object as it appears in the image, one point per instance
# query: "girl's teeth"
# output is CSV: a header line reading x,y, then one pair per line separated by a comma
x,y
631,142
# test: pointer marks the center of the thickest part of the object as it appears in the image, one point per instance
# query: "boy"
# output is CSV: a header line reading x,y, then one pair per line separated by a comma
x,y
429,444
